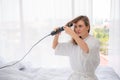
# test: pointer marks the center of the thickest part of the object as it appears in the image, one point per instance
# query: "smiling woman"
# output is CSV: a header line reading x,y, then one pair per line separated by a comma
x,y
84,55
23,22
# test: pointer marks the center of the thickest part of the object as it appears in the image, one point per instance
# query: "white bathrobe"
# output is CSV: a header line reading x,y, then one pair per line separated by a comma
x,y
83,64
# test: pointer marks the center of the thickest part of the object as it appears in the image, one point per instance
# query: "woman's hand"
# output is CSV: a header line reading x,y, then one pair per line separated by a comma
x,y
78,40
69,31
55,29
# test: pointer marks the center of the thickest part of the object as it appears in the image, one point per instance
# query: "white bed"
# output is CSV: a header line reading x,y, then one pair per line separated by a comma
x,y
27,73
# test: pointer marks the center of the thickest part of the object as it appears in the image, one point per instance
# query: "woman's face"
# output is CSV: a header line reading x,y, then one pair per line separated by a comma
x,y
80,28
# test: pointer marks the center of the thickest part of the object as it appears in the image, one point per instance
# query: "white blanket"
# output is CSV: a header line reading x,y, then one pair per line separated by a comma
x,y
12,73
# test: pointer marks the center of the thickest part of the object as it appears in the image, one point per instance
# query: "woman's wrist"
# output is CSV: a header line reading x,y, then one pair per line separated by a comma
x,y
74,35
56,36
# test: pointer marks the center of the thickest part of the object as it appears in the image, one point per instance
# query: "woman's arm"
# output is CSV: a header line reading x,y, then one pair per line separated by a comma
x,y
55,41
78,40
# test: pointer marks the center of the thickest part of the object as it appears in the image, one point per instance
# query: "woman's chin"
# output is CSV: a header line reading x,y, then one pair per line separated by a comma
x,y
79,35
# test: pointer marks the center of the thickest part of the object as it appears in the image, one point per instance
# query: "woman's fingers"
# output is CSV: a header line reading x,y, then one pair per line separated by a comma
x,y
55,29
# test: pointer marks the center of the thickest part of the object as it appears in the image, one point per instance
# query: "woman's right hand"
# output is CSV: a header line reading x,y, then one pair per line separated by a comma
x,y
55,29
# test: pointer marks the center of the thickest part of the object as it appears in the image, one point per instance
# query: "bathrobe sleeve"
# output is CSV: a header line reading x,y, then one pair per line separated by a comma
x,y
64,49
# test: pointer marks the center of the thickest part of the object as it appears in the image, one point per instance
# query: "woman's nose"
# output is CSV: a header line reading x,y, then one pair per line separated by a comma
x,y
78,28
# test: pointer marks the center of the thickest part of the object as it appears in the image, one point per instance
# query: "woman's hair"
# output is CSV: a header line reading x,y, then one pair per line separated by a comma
x,y
84,19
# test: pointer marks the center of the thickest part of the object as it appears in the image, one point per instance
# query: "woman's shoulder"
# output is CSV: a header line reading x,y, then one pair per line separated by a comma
x,y
92,40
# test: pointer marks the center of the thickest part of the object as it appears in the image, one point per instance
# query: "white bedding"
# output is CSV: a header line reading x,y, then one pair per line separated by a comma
x,y
103,73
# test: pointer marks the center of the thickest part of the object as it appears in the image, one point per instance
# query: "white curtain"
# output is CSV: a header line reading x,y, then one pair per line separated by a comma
x,y
10,32
24,22
114,40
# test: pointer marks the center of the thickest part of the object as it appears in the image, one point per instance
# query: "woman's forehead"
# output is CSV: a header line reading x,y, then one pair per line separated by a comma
x,y
80,22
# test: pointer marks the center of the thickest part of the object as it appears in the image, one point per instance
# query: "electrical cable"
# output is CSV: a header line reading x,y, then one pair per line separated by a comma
x,y
52,33
26,53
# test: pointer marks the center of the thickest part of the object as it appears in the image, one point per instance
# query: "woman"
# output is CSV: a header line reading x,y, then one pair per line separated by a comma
x,y
83,50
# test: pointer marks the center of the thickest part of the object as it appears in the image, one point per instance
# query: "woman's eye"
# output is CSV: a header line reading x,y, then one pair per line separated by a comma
x,y
75,26
80,25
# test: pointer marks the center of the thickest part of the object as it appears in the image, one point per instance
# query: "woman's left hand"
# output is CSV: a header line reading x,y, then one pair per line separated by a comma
x,y
68,30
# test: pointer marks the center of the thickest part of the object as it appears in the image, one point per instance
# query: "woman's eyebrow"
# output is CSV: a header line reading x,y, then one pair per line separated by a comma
x,y
77,25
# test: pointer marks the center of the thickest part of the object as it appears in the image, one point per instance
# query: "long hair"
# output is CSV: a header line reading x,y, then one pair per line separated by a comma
x,y
75,20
